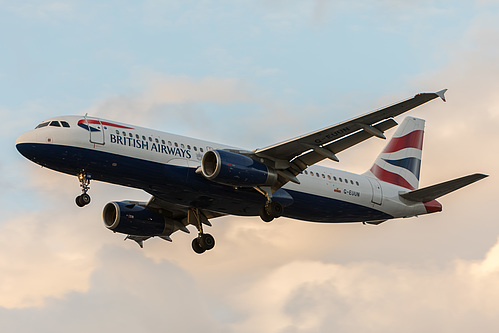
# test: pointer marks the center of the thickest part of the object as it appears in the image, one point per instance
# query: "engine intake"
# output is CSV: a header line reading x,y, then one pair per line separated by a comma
x,y
128,218
229,168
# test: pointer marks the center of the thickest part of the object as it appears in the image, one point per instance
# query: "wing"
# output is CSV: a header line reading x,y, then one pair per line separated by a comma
x,y
177,218
293,156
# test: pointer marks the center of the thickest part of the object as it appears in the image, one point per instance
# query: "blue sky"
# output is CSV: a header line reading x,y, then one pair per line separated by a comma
x,y
250,73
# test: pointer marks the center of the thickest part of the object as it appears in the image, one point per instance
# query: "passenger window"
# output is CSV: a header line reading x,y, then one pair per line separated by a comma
x,y
311,173
150,139
163,141
201,149
188,147
55,124
176,144
334,178
42,125
143,137
124,133
137,136
130,135
169,143
351,182
182,146
64,124
323,176
157,140
329,177
357,183
317,174
305,172
341,181
117,132
195,148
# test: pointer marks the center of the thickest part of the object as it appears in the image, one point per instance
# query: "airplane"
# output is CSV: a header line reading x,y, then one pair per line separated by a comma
x,y
192,181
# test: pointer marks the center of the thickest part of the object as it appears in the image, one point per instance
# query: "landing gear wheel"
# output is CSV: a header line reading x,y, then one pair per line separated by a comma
x,y
264,215
274,209
82,200
207,241
271,211
196,246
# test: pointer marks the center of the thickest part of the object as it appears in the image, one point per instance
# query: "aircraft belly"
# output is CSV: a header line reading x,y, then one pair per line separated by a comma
x,y
180,184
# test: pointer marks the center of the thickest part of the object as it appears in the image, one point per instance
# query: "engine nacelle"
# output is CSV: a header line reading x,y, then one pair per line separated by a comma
x,y
229,168
128,218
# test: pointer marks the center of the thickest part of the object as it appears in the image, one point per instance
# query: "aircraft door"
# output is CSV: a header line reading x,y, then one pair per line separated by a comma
x,y
96,130
377,197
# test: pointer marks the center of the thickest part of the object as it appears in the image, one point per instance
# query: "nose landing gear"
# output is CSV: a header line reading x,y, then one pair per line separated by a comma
x,y
83,199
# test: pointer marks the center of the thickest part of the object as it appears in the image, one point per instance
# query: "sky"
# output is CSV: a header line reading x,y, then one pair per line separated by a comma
x,y
250,74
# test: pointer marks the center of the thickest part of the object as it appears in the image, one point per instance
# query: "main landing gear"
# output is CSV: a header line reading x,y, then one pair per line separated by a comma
x,y
84,198
203,242
270,211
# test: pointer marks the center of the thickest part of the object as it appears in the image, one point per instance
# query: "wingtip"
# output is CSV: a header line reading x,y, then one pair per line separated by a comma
x,y
441,94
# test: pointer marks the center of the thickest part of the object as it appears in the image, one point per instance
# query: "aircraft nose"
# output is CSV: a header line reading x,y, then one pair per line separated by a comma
x,y
25,145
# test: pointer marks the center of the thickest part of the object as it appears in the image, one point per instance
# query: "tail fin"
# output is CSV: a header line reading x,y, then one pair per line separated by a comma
x,y
400,162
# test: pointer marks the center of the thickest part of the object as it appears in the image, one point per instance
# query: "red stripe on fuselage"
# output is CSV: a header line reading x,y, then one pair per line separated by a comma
x,y
411,140
105,123
390,177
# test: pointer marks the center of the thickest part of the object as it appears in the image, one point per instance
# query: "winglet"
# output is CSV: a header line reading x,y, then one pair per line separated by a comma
x,y
441,94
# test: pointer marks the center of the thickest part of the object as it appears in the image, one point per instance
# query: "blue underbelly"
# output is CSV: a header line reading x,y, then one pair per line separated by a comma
x,y
182,186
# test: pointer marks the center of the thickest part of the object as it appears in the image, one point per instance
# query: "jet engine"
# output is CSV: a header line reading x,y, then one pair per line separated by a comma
x,y
129,218
229,168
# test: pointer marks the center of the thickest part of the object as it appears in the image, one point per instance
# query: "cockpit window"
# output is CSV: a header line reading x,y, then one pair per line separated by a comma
x,y
42,125
54,123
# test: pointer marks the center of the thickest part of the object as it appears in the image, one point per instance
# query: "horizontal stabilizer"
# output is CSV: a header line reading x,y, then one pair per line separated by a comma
x,y
435,191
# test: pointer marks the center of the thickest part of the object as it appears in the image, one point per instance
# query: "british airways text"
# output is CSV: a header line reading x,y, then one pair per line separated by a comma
x,y
150,146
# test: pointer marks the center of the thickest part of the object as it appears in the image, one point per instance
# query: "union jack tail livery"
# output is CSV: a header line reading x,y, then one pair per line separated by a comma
x,y
400,162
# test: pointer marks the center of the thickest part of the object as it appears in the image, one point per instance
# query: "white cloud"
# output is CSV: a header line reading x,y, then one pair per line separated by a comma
x,y
312,296
127,293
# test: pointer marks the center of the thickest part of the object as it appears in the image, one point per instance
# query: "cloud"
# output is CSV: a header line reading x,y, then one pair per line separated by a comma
x,y
127,292
161,96
312,296
48,245
202,107
39,259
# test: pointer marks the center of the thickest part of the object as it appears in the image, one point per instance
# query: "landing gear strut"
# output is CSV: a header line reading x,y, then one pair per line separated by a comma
x,y
84,198
203,242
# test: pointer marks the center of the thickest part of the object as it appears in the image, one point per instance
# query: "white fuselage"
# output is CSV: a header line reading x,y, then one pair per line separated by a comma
x,y
109,150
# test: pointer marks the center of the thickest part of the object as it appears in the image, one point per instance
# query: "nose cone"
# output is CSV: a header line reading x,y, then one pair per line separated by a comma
x,y
25,144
